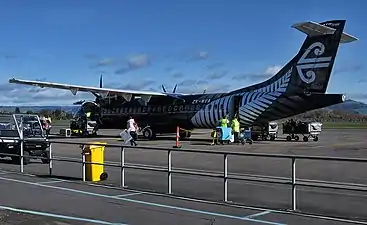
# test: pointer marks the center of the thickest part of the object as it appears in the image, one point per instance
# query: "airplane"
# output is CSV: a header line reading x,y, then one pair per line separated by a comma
x,y
298,87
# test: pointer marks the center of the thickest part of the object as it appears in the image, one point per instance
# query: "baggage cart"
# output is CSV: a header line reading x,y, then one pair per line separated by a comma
x,y
245,136
306,129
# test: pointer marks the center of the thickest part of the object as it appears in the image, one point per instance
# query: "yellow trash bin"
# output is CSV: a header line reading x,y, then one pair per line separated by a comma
x,y
94,154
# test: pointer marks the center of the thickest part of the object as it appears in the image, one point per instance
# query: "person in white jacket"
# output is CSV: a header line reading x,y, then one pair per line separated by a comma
x,y
132,128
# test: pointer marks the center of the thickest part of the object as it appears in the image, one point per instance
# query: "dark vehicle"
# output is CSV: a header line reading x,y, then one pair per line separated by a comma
x,y
35,144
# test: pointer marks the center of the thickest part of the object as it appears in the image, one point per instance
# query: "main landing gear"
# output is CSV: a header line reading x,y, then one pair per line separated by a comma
x,y
150,133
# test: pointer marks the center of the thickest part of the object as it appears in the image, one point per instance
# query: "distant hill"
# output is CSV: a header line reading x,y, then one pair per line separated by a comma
x,y
72,109
350,106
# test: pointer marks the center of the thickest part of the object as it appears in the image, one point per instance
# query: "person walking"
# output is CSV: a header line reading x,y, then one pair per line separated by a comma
x,y
132,128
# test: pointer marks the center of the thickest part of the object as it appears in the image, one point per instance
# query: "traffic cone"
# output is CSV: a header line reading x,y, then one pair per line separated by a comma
x,y
177,138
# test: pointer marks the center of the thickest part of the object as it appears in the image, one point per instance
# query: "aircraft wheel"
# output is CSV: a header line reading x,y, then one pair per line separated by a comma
x,y
289,138
148,133
296,138
305,138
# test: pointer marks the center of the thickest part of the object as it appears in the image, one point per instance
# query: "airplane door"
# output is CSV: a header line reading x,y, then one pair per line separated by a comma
x,y
235,105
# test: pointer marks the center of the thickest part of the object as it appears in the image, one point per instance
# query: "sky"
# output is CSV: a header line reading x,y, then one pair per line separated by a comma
x,y
215,45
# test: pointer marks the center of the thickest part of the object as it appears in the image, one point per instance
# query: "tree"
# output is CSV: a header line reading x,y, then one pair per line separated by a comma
x,y
17,110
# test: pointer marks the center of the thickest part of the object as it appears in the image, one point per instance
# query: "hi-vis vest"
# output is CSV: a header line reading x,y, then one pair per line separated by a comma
x,y
235,125
224,122
88,114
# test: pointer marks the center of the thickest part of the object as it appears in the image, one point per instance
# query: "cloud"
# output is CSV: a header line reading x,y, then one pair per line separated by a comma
x,y
215,65
90,56
10,56
188,82
358,96
106,62
14,94
169,69
136,85
197,56
202,82
209,88
198,86
178,75
135,62
217,75
267,73
348,68
203,55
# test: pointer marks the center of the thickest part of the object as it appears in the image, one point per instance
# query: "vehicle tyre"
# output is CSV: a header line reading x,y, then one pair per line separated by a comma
x,y
296,138
272,138
47,155
254,137
148,133
315,138
242,142
26,158
305,138
289,138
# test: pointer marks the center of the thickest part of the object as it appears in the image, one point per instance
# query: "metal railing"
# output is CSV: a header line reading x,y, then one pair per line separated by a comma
x,y
292,181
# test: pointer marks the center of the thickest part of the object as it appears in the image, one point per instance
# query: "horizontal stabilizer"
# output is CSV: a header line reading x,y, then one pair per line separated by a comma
x,y
315,29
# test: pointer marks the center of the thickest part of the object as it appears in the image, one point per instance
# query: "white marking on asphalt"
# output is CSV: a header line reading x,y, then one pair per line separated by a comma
x,y
259,214
39,213
130,194
50,182
143,202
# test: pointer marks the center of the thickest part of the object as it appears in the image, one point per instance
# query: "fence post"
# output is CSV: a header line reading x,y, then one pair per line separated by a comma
x,y
294,199
50,158
21,144
83,162
122,172
169,172
225,175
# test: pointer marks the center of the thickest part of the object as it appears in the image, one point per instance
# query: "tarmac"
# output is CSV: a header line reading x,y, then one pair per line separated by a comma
x,y
65,199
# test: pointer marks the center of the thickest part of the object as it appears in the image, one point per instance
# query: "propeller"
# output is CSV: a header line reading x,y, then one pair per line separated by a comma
x,y
165,91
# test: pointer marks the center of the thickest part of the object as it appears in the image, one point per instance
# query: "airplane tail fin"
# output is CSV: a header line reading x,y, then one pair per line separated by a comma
x,y
309,71
313,64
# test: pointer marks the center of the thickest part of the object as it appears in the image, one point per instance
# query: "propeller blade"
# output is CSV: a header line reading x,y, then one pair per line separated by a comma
x,y
204,91
164,89
101,81
174,89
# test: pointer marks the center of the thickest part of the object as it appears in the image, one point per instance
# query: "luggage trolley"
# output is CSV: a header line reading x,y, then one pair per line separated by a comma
x,y
245,136
307,130
223,135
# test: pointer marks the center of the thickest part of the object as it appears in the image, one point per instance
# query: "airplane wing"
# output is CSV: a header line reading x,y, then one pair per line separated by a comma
x,y
126,94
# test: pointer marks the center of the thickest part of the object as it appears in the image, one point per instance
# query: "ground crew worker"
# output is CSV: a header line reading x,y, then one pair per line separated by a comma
x,y
132,127
236,129
88,115
224,121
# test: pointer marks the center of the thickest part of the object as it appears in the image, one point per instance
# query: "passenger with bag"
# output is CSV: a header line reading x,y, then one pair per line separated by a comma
x,y
132,128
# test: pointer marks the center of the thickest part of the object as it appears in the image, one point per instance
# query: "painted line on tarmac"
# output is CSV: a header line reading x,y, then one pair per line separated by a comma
x,y
39,213
130,194
144,202
259,214
50,182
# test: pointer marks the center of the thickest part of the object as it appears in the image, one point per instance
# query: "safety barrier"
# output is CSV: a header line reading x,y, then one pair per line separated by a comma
x,y
292,181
